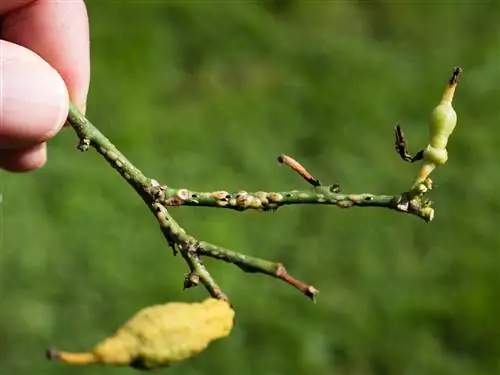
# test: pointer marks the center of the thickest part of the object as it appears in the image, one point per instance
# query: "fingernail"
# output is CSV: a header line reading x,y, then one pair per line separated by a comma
x,y
34,99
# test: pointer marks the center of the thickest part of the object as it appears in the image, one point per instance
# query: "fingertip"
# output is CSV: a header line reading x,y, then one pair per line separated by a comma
x,y
58,31
24,160
34,100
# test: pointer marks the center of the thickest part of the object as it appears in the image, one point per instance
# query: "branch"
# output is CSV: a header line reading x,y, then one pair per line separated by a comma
x,y
267,201
158,197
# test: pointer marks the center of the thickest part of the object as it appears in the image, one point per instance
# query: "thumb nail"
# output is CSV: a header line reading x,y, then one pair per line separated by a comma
x,y
33,98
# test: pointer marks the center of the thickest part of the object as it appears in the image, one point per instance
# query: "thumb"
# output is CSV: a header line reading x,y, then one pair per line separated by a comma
x,y
34,100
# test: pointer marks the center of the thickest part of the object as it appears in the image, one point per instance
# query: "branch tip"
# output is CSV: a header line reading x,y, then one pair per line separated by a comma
x,y
52,354
455,75
299,168
306,289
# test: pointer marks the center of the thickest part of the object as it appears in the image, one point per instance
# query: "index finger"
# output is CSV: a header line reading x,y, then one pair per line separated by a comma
x,y
58,31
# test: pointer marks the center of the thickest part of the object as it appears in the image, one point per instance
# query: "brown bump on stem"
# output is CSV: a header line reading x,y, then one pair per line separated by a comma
x,y
274,197
255,203
174,201
262,196
241,198
219,194
183,194
111,155
248,201
299,168
308,290
223,203
345,203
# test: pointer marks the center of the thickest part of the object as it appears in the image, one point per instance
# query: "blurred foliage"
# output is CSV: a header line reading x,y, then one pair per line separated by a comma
x,y
205,95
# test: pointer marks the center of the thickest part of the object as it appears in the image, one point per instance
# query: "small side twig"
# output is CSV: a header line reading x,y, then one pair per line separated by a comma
x,y
402,147
192,250
299,168
270,201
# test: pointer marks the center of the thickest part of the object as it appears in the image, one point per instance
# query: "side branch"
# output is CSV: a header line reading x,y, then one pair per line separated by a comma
x,y
192,250
299,168
401,147
267,201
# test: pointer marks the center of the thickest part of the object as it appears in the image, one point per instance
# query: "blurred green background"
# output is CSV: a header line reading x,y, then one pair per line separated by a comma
x,y
205,95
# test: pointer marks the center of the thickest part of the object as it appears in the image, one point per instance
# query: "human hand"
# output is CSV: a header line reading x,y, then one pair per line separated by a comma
x,y
44,63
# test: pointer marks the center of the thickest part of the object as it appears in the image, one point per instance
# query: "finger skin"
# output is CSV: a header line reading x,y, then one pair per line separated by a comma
x,y
58,31
34,100
9,5
24,160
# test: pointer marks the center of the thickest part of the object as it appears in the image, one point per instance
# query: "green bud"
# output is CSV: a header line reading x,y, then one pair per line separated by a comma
x,y
442,123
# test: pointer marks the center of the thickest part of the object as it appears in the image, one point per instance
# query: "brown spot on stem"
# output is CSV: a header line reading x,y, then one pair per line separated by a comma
x,y
344,204
274,197
174,201
219,194
183,194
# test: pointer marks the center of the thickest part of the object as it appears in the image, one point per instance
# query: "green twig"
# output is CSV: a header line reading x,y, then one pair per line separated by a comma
x,y
266,201
159,197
